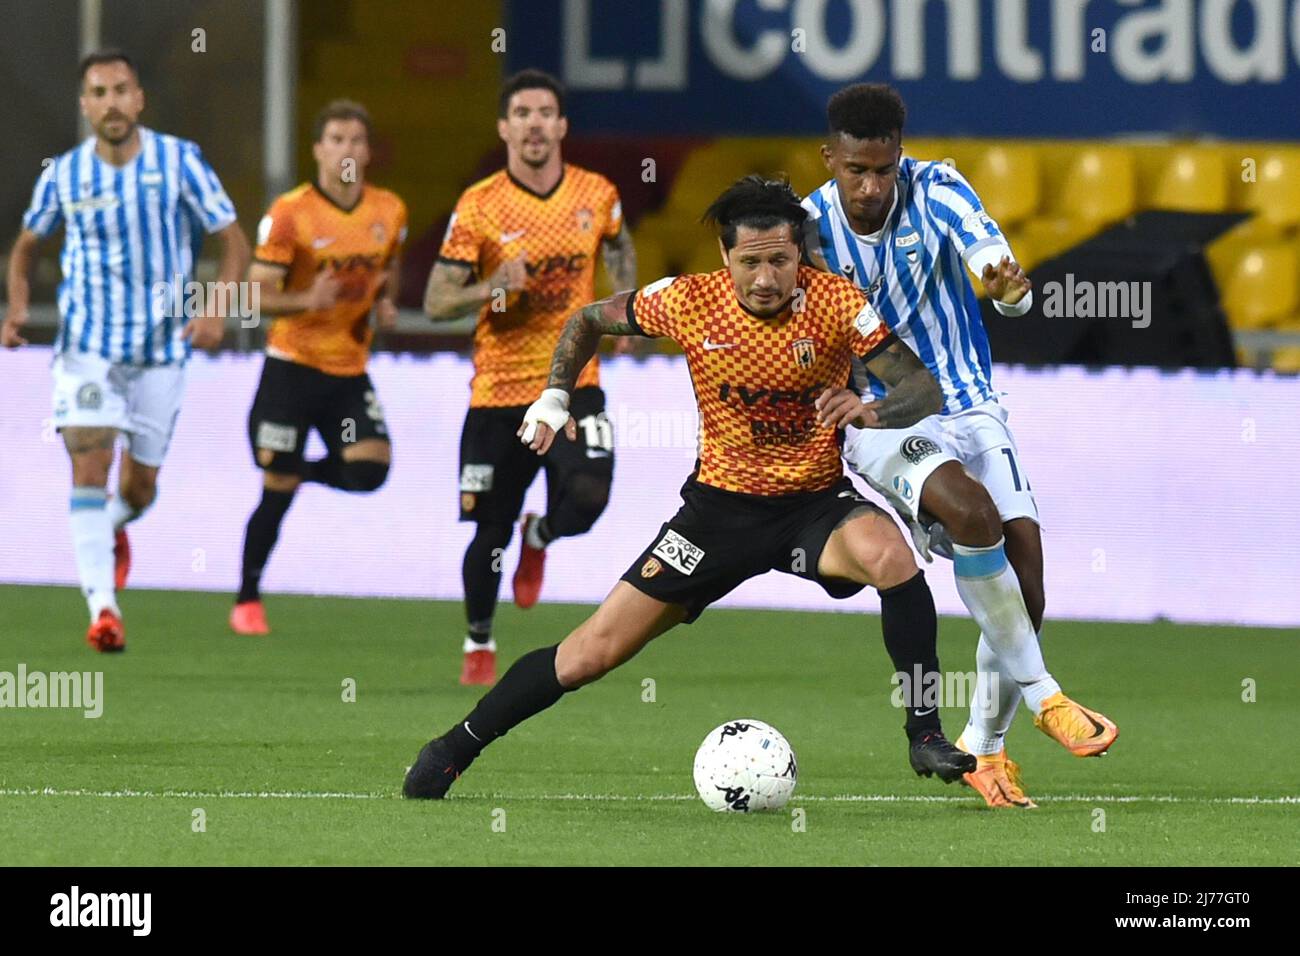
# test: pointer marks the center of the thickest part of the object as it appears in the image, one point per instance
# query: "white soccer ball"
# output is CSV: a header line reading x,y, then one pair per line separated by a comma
x,y
745,765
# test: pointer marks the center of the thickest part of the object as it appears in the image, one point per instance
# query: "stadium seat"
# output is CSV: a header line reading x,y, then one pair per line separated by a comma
x,y
1007,180
1099,186
1191,179
1044,238
1287,360
1274,196
1262,287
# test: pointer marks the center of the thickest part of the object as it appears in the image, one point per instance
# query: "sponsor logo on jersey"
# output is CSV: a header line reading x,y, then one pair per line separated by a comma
x,y
679,553
651,567
275,437
868,320
507,237
805,352
321,242
571,264
974,220
90,397
847,269
915,448
794,432
714,346
476,478
876,283
903,487
770,397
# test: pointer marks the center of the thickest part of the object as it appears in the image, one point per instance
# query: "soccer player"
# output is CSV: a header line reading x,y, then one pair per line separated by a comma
x,y
520,252
134,203
327,256
769,344
906,231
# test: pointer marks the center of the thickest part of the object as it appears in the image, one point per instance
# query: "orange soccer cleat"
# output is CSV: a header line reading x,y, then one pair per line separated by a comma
x,y
106,634
479,669
996,778
121,558
532,560
1083,732
249,618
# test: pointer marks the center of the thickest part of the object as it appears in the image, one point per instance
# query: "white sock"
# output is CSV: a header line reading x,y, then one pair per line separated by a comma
x,y
996,699
92,539
989,588
473,645
533,537
120,513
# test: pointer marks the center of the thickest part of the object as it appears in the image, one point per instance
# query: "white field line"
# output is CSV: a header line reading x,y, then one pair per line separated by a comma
x,y
619,798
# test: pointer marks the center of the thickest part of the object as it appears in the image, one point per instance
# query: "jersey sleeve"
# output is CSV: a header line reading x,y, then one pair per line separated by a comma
x,y
870,334
655,310
202,192
276,236
613,212
44,215
399,232
957,211
464,237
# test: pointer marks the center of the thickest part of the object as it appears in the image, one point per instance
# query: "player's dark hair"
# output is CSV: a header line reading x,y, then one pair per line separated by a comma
x,y
529,80
755,202
867,111
100,57
342,110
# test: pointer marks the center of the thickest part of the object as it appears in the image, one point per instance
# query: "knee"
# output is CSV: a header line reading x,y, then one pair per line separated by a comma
x,y
973,521
492,535
586,655
140,492
363,476
280,481
589,493
887,560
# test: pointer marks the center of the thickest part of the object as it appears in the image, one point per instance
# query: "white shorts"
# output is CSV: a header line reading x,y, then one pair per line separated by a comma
x,y
142,402
896,462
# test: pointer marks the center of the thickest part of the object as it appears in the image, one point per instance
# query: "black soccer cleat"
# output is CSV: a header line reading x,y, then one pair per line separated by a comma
x,y
932,754
432,774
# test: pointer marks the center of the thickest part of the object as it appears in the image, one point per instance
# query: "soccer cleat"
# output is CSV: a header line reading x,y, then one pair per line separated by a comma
x,y
121,558
933,753
107,635
479,669
249,618
997,780
432,774
528,576
1083,732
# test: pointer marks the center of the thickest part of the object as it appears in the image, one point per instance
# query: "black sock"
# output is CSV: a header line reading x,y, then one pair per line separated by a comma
x,y
911,630
527,688
323,471
259,538
481,572
576,509
361,475
480,632
544,530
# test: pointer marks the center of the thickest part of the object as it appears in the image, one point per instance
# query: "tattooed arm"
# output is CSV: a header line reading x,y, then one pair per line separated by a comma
x,y
913,394
577,344
619,254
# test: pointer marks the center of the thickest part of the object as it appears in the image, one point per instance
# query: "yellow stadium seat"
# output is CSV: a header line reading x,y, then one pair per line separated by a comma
x,y
1099,186
1287,359
1046,237
1007,180
1274,196
1192,179
1262,287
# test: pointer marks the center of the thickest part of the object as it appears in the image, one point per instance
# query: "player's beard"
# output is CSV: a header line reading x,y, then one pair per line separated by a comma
x,y
116,140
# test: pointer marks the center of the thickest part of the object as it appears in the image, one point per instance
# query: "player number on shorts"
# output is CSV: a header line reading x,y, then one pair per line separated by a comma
x,y
598,431
1015,472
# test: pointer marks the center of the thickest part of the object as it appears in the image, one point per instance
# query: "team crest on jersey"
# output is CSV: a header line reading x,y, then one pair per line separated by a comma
x,y
908,240
89,397
585,219
805,352
379,233
651,567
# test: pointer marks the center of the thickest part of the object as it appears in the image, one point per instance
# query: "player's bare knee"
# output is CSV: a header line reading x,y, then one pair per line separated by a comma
x,y
584,656
140,491
280,481
90,469
891,562
974,520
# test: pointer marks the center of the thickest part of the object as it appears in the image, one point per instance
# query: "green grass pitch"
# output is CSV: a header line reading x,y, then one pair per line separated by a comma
x,y
255,733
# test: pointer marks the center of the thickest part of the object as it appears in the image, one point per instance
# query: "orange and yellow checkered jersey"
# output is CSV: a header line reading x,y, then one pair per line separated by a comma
x,y
756,379
558,234
307,232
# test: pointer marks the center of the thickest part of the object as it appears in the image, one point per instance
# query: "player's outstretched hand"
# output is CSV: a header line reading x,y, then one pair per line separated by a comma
x,y
10,332
1007,283
204,331
841,407
544,419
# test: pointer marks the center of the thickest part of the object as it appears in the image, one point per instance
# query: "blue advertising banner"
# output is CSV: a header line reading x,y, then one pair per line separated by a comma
x,y
1057,68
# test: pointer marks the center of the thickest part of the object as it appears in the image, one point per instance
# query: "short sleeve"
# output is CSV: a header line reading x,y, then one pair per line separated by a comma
x,y
44,215
464,237
870,334
277,237
954,207
399,232
202,192
655,309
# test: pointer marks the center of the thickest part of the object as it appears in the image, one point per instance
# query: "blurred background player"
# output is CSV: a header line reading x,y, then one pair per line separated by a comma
x,y
529,235
327,254
768,484
134,204
906,231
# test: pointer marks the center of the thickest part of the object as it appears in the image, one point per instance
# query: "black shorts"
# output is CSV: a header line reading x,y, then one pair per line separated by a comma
x,y
496,468
292,399
719,539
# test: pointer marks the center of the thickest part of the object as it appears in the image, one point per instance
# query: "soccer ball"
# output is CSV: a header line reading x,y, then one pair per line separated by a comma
x,y
745,765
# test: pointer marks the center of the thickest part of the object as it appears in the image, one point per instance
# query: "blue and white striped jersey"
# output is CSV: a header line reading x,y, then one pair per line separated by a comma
x,y
129,230
914,271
